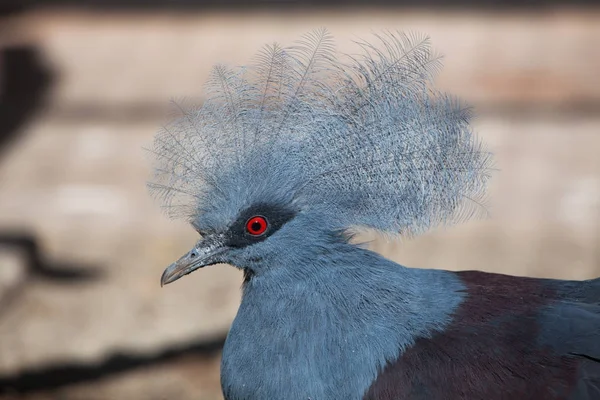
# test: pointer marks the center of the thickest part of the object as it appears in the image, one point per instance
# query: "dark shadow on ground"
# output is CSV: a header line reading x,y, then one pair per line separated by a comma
x,y
36,266
24,82
60,375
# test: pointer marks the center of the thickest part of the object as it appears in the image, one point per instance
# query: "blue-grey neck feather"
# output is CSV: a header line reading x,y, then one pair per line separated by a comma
x,y
350,313
364,139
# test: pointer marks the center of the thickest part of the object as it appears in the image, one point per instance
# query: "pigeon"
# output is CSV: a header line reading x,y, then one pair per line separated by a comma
x,y
286,161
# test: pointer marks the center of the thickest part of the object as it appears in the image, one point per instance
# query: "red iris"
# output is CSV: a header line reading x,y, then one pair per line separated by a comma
x,y
256,226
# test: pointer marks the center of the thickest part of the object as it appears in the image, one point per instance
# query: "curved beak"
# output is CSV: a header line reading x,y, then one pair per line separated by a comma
x,y
206,252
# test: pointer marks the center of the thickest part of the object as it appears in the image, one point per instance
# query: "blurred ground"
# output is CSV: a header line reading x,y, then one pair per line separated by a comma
x,y
82,246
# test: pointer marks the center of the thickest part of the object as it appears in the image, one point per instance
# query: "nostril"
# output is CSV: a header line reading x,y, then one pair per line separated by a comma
x,y
193,254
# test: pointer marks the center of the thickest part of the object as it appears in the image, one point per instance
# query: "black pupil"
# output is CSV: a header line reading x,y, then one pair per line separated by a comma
x,y
256,226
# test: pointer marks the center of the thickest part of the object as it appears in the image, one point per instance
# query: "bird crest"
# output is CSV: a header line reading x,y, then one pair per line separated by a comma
x,y
362,139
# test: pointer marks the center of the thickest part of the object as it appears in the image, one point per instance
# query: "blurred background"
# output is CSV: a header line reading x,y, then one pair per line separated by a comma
x,y
84,85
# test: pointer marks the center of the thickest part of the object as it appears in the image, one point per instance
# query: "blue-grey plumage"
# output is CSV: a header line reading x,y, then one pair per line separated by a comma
x,y
284,160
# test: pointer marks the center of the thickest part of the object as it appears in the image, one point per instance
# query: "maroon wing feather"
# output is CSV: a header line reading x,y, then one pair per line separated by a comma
x,y
511,338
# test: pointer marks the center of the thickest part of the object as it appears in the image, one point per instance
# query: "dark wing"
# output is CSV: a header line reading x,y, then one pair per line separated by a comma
x,y
582,292
571,327
512,338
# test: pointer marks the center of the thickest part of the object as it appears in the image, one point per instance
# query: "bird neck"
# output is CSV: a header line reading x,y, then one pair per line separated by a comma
x,y
350,285
355,306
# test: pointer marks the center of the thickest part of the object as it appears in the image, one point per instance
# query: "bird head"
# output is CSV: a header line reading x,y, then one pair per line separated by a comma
x,y
289,154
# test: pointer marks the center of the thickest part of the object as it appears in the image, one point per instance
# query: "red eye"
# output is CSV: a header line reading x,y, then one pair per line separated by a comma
x,y
256,226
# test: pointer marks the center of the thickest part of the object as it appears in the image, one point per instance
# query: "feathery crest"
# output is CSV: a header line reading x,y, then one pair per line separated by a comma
x,y
365,140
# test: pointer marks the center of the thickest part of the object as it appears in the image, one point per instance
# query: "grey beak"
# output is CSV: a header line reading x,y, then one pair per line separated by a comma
x,y
205,252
